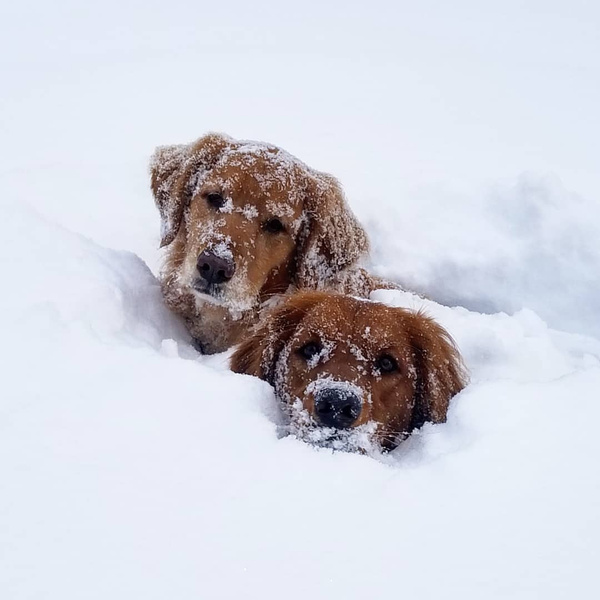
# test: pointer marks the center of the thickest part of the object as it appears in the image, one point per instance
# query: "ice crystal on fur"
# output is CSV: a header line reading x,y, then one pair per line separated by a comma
x,y
357,352
281,366
344,388
250,212
164,167
227,208
323,356
223,249
280,209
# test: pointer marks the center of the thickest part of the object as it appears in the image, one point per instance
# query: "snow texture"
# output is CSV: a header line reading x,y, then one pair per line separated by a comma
x,y
466,136
528,244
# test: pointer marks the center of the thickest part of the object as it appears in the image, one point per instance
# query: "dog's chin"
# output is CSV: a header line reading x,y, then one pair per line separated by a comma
x,y
202,297
361,439
223,297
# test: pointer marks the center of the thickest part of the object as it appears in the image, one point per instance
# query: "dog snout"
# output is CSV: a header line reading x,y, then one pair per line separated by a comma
x,y
337,408
215,269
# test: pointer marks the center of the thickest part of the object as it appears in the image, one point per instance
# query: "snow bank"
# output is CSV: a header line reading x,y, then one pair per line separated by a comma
x,y
528,244
132,467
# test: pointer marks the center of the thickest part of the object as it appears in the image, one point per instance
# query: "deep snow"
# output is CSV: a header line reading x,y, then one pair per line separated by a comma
x,y
467,140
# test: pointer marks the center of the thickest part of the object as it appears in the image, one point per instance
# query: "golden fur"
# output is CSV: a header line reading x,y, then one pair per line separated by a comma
x,y
353,337
227,199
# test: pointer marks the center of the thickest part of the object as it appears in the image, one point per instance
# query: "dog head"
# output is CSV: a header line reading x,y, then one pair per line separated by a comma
x,y
353,374
242,221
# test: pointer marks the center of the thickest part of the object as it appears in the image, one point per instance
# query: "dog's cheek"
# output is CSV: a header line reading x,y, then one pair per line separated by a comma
x,y
307,400
393,404
288,382
269,264
175,254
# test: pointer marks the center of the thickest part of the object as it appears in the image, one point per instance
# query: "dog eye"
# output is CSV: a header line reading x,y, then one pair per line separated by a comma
x,y
386,364
215,200
309,350
274,226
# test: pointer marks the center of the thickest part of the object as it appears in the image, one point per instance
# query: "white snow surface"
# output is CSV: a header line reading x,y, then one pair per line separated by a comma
x,y
467,138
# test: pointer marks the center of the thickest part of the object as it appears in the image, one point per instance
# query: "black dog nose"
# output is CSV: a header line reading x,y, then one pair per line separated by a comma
x,y
337,408
215,269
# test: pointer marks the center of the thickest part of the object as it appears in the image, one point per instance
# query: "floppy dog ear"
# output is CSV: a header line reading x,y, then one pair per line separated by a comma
x,y
332,238
174,171
441,373
258,354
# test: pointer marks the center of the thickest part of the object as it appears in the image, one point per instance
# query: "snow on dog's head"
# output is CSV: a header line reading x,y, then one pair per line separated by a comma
x,y
242,221
351,374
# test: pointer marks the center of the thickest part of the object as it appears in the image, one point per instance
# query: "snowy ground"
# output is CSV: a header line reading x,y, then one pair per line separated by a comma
x,y
467,138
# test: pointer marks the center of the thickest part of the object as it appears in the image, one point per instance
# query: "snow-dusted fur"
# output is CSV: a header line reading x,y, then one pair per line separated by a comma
x,y
349,338
256,184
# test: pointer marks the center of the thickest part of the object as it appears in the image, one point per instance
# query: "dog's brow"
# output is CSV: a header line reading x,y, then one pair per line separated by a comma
x,y
249,211
357,352
281,209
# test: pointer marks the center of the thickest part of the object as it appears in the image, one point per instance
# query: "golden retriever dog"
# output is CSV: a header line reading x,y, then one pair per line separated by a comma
x,y
353,374
242,223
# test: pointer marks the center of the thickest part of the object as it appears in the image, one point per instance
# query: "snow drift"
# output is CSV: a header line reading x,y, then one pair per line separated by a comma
x,y
131,463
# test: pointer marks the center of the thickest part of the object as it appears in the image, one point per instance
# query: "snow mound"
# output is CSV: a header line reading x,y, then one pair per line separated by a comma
x,y
529,244
133,467
61,280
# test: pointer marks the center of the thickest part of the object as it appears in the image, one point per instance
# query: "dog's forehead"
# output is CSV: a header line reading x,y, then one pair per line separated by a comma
x,y
328,318
261,169
369,325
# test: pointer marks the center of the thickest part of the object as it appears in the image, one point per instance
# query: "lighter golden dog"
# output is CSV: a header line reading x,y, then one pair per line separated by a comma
x,y
242,223
353,374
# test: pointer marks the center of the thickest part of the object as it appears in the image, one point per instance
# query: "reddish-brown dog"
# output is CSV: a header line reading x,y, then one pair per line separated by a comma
x,y
243,222
353,374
